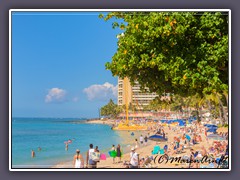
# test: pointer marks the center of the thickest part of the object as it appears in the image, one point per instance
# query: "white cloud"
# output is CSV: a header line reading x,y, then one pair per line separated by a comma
x,y
101,92
55,95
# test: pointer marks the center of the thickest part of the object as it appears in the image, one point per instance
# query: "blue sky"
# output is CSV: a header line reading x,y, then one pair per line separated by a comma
x,y
58,64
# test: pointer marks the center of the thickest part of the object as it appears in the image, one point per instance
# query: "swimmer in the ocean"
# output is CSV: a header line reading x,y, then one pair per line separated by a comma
x,y
33,154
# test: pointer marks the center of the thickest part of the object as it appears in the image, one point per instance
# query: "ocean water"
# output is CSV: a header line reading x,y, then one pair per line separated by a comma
x,y
51,133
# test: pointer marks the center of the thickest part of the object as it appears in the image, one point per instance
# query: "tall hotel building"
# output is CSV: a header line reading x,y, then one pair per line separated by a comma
x,y
133,94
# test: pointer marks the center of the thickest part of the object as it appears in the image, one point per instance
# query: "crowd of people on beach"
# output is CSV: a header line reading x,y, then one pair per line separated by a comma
x,y
190,142
186,138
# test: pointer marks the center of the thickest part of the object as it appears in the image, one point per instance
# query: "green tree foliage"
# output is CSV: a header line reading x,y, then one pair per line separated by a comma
x,y
110,110
178,52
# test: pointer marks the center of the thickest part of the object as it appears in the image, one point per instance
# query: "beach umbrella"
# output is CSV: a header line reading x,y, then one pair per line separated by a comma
x,y
210,125
157,138
182,123
212,130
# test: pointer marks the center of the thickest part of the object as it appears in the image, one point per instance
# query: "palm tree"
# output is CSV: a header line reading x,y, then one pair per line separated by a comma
x,y
215,100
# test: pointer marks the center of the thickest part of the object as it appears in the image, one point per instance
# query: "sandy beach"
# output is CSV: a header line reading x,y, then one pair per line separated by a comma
x,y
146,150
101,121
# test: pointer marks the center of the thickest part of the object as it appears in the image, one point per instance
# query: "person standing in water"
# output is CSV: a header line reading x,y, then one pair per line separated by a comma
x,y
78,161
66,147
33,154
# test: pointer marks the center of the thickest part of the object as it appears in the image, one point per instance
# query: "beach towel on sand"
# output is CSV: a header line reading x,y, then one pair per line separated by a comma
x,y
156,150
161,151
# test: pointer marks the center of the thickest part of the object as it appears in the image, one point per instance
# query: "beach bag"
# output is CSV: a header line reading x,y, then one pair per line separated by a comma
x,y
156,150
113,153
103,157
95,156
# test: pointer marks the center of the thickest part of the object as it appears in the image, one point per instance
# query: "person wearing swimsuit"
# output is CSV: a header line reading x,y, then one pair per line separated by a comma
x,y
78,161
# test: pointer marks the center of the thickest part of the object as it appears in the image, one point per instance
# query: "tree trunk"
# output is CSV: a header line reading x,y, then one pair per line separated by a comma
x,y
221,109
210,108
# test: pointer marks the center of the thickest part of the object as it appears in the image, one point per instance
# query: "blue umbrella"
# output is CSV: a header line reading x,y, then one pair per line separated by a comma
x,y
212,130
182,124
210,125
157,138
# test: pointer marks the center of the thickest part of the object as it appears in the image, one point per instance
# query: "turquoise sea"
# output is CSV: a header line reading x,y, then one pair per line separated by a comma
x,y
51,133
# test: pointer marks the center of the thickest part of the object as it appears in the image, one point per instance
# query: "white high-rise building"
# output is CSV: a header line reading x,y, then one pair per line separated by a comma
x,y
133,94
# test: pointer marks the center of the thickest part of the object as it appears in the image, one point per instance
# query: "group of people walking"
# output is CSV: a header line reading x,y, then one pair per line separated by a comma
x,y
92,158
